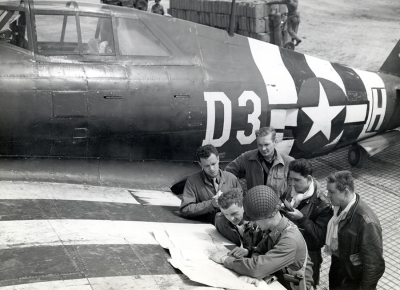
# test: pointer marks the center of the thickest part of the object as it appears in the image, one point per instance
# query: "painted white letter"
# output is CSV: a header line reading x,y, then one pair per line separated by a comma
x,y
378,109
211,98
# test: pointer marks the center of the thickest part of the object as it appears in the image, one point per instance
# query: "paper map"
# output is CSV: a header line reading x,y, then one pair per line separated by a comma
x,y
190,253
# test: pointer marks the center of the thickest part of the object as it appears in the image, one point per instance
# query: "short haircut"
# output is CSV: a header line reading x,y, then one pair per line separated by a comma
x,y
265,131
205,151
232,196
301,166
343,180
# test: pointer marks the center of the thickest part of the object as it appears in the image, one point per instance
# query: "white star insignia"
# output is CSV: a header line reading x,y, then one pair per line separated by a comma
x,y
322,115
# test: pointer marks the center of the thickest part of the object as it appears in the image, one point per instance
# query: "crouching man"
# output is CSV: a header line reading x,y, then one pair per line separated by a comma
x,y
230,223
200,195
282,252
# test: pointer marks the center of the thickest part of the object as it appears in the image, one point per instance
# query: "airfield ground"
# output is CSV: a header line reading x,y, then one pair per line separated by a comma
x,y
357,33
377,183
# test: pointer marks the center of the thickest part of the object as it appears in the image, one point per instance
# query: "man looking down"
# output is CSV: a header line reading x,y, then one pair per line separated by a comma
x,y
202,189
264,165
282,252
230,223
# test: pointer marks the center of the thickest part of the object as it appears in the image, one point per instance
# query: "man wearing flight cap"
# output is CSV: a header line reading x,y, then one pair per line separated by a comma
x,y
283,251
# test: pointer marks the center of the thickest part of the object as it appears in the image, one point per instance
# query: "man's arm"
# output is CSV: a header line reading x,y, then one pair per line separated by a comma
x,y
288,180
259,266
236,184
252,237
236,167
189,206
373,264
318,228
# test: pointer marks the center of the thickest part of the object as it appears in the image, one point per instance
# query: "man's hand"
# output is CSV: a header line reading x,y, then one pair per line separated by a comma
x,y
238,252
250,280
215,199
218,256
294,215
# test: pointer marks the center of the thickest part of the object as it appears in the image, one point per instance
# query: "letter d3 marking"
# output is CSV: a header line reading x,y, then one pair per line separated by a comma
x,y
211,98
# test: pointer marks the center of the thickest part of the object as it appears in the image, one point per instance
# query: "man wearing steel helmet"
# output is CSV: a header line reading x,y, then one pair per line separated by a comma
x,y
264,165
201,190
230,223
282,252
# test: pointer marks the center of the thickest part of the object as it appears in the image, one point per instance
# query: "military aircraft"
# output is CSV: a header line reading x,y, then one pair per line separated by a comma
x,y
101,84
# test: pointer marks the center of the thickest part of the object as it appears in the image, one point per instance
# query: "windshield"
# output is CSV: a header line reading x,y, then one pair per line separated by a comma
x,y
59,34
13,28
136,39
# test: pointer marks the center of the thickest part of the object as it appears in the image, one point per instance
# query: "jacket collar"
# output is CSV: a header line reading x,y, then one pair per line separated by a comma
x,y
277,231
256,157
353,209
206,179
313,198
244,223
317,192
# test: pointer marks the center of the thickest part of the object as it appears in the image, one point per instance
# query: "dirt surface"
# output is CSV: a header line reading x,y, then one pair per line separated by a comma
x,y
357,33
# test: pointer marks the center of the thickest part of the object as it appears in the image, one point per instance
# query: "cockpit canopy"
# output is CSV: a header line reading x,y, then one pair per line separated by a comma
x,y
67,28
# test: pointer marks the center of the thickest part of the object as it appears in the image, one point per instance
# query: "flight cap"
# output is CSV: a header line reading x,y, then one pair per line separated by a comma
x,y
260,202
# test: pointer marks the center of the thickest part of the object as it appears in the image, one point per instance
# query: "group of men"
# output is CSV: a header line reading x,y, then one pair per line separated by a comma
x,y
283,219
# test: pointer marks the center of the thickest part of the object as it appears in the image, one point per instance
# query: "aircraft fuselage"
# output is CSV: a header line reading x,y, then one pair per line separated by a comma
x,y
171,87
